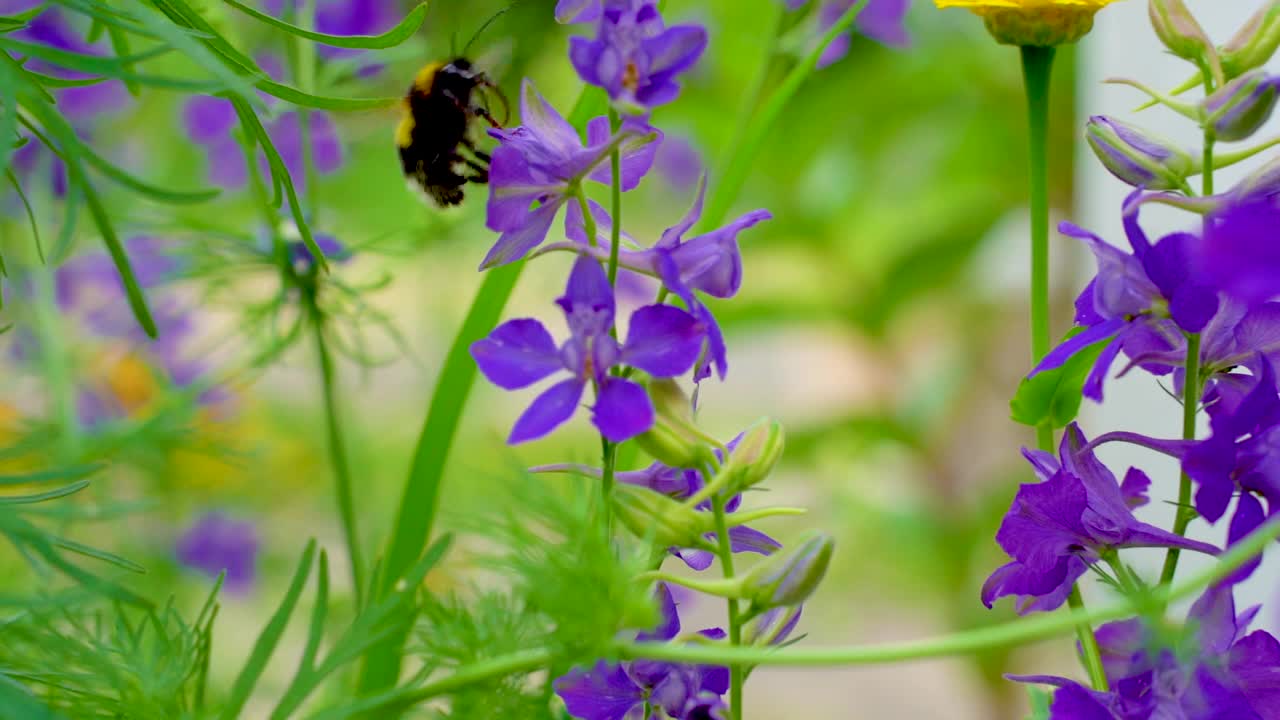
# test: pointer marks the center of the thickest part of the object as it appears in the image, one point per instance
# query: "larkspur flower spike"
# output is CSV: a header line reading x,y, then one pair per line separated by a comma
x,y
1038,23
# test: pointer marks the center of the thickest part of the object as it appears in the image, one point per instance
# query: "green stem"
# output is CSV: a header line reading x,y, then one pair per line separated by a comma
x,y
615,231
1037,72
725,551
338,456
305,76
1037,69
1190,404
1010,634
754,138
1089,649
609,454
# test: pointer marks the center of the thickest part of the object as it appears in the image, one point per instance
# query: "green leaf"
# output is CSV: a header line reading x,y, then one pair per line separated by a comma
x,y
8,111
103,555
16,700
391,38
1054,396
417,507
68,473
295,96
54,494
280,176
108,66
270,637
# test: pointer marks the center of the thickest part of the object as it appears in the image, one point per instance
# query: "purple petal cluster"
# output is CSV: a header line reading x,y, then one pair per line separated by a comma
x,y
1058,527
662,340
1221,672
217,543
634,56
1139,302
539,166
618,691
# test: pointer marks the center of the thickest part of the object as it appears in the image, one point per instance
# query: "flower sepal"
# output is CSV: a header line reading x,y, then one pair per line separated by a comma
x,y
1178,29
1254,44
1038,27
661,520
674,440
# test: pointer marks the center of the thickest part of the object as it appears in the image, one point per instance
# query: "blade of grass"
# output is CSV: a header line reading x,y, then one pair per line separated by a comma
x,y
391,38
270,637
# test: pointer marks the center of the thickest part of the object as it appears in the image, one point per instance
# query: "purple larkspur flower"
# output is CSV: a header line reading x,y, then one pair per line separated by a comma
x,y
617,691
709,263
217,543
1155,289
542,161
1056,528
210,122
1239,254
662,340
1219,672
634,56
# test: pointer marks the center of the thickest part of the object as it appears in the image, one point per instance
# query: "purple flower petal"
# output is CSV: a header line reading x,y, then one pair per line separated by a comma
x,y
1247,518
577,11
663,341
636,159
208,119
605,692
1135,487
514,244
550,410
517,354
622,410
588,302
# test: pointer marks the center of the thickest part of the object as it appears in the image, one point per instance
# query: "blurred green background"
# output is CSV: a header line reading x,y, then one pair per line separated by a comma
x,y
881,319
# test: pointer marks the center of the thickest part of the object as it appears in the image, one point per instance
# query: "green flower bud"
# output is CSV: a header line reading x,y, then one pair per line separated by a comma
x,y
653,516
1255,42
753,458
672,440
1178,29
790,576
1137,157
1239,108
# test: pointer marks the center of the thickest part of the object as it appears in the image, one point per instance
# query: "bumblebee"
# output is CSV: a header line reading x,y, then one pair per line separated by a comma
x,y
437,151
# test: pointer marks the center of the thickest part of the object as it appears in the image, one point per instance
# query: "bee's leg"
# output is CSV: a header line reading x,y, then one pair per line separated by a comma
x,y
483,112
481,174
479,154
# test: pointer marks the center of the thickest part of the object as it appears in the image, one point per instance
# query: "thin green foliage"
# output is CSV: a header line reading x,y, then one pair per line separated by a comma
x,y
111,663
403,30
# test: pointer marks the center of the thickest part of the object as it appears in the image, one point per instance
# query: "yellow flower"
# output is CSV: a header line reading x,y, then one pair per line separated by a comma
x,y
1044,23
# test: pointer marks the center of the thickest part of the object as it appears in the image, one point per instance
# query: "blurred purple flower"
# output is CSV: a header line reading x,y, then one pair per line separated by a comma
x,y
543,160
217,543
617,691
345,17
1153,290
210,122
679,163
634,56
662,341
303,261
1058,527
880,20
1222,673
